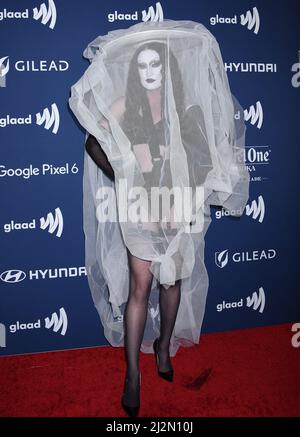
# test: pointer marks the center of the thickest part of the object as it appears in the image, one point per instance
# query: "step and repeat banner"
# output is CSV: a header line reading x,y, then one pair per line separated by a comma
x,y
252,261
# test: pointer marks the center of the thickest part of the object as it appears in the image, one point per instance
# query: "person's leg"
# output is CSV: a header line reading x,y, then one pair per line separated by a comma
x,y
135,319
169,300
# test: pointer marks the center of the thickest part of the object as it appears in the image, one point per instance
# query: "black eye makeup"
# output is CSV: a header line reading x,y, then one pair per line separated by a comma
x,y
154,64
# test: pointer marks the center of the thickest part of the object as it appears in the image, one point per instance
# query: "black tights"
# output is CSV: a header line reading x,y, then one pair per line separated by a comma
x,y
136,315
137,305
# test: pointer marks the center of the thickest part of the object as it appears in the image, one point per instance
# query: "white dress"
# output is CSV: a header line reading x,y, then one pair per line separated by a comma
x,y
205,151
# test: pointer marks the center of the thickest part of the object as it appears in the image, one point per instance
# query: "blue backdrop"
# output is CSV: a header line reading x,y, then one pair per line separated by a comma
x,y
45,299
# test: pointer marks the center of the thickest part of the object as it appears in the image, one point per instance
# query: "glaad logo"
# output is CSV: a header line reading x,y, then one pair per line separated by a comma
x,y
49,120
46,14
2,335
295,78
57,322
296,337
251,19
257,210
4,69
53,223
257,300
21,326
150,15
13,276
221,258
255,115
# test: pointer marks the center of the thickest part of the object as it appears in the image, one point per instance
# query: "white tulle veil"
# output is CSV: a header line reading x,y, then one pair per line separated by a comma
x,y
205,133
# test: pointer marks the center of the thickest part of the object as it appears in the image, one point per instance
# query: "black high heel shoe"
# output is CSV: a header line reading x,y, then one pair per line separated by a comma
x,y
168,375
131,410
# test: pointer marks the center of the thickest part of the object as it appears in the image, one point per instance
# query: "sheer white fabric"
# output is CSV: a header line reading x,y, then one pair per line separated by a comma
x,y
197,142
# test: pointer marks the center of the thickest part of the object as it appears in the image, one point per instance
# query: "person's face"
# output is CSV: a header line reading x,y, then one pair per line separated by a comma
x,y
149,66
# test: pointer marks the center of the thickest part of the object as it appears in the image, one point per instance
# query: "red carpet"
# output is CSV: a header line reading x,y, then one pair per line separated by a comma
x,y
253,372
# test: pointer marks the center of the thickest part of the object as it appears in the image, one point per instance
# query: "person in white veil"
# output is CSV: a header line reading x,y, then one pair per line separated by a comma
x,y
170,128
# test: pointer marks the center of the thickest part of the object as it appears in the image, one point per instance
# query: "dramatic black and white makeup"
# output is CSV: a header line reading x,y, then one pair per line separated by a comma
x,y
150,69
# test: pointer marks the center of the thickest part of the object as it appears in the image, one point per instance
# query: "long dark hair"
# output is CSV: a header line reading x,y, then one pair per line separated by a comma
x,y
136,97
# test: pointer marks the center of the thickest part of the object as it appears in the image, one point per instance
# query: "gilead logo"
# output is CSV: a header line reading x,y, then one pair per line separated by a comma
x,y
31,66
221,258
4,69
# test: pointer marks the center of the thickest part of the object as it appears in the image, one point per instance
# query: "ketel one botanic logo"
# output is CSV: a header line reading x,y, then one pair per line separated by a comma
x,y
52,223
47,119
256,209
46,15
255,115
57,322
249,19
